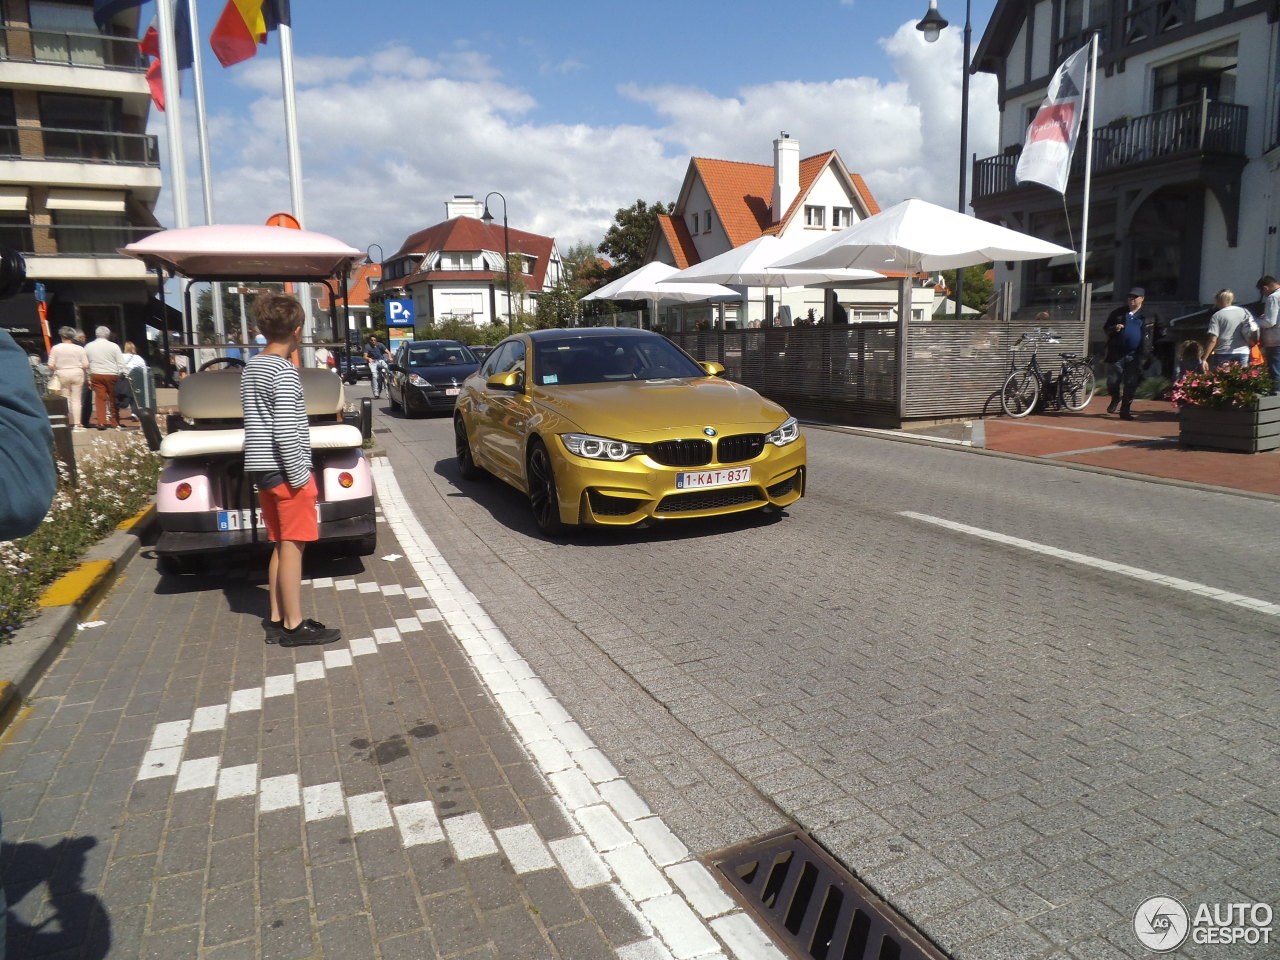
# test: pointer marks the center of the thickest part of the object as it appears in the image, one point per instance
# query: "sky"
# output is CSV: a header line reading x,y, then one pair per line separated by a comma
x,y
572,110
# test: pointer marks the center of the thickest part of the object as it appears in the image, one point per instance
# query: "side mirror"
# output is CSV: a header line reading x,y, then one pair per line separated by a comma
x,y
511,380
713,369
394,367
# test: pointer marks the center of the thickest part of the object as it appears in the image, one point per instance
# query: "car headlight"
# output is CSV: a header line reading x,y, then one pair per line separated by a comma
x,y
417,381
789,432
599,448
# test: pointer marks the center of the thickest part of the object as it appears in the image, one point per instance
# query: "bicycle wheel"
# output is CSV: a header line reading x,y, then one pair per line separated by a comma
x,y
1020,393
1077,385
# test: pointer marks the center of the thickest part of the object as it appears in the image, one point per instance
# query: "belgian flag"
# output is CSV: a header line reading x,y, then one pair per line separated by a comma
x,y
244,25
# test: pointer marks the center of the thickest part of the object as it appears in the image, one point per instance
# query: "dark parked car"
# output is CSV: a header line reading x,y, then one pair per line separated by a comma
x,y
426,375
481,350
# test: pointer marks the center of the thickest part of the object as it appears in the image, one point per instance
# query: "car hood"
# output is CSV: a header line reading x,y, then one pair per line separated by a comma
x,y
644,411
443,374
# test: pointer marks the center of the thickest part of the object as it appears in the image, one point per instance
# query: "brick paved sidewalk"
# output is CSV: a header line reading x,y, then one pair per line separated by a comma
x,y
177,788
1147,445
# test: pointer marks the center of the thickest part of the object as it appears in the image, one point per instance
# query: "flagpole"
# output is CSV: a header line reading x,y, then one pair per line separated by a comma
x,y
1088,171
172,113
206,172
1088,151
295,160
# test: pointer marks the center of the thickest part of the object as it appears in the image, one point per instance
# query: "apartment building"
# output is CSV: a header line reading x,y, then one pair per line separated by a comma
x,y
79,176
1186,151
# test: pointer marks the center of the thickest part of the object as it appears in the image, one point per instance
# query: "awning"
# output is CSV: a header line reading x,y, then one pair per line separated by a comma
x,y
97,201
13,199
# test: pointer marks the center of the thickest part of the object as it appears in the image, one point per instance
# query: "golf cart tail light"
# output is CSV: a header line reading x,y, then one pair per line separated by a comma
x,y
345,480
183,491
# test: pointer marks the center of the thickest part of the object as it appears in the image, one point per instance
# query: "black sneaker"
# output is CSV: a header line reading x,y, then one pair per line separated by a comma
x,y
1113,406
308,633
273,629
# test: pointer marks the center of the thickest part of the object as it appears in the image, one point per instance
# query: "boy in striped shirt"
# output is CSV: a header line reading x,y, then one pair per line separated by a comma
x,y
277,458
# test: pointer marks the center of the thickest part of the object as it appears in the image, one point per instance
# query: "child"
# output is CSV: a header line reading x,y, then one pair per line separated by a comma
x,y
1190,358
277,457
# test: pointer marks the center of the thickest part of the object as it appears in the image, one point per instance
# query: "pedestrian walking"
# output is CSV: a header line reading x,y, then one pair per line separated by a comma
x,y
1231,332
106,363
1269,327
277,457
1131,334
70,364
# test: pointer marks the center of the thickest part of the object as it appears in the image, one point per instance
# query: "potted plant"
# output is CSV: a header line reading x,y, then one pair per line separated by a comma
x,y
1229,408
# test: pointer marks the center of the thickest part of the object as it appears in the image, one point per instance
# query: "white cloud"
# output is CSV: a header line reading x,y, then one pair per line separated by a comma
x,y
388,137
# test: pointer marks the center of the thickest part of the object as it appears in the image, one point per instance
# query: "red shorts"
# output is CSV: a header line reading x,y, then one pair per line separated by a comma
x,y
290,514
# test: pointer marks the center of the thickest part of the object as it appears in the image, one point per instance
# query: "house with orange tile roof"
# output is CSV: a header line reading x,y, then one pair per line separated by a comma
x,y
359,288
457,268
725,203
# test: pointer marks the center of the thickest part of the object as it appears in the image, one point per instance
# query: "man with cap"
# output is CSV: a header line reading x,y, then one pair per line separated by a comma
x,y
1269,326
1131,334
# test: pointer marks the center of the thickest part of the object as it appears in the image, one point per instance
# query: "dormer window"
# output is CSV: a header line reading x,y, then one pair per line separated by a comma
x,y
695,224
841,217
815,216
706,221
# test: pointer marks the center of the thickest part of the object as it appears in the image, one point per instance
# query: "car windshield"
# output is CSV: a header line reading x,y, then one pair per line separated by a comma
x,y
606,359
440,355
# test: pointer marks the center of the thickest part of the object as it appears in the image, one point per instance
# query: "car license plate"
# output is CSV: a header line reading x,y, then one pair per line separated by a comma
x,y
450,391
705,479
244,519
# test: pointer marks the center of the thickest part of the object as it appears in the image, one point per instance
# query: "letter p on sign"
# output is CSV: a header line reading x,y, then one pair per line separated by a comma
x,y
400,313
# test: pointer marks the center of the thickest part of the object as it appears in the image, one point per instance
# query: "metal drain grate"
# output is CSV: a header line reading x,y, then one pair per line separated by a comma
x,y
816,909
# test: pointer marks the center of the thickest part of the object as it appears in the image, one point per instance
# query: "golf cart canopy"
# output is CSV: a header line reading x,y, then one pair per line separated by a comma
x,y
242,251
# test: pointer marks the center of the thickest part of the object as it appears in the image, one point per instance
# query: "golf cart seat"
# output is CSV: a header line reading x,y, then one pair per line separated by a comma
x,y
211,400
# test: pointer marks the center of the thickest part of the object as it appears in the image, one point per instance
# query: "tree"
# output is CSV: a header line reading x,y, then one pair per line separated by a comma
x,y
557,307
978,287
627,239
583,269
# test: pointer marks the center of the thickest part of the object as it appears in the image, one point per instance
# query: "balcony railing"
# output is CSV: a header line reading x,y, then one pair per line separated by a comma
x,y
1201,128
79,145
71,49
70,240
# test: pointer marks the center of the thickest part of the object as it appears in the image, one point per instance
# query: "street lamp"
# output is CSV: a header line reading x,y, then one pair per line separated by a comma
x,y
931,25
487,220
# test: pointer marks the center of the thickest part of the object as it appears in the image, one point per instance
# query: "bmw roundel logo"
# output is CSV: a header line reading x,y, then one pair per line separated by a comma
x,y
709,431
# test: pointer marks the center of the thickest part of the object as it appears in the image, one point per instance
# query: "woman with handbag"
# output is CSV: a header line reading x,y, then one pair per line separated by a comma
x,y
70,366
1231,332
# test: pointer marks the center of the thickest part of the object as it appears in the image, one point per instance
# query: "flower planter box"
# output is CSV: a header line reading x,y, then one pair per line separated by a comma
x,y
1245,429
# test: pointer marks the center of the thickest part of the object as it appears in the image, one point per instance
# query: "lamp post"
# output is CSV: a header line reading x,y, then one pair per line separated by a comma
x,y
932,24
487,220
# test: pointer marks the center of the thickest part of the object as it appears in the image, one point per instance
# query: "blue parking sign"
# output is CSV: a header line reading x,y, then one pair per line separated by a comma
x,y
399,313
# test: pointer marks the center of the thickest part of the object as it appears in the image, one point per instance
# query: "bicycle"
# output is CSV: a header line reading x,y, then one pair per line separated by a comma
x,y
1025,385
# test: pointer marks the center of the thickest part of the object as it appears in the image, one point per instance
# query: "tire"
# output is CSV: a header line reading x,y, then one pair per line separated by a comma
x,y
462,447
391,402
543,497
1078,385
1020,393
174,565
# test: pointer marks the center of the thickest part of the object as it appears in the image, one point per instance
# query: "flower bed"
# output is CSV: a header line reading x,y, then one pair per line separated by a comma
x,y
1230,408
117,479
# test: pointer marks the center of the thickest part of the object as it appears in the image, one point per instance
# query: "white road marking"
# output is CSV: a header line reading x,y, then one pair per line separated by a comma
x,y
368,811
1201,590
209,718
160,763
241,781
197,774
580,862
700,888
418,823
279,793
636,872
322,801
242,701
281,685
310,670
469,836
173,734
524,848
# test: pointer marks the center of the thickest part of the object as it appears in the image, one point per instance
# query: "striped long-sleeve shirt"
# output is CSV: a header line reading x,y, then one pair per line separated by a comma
x,y
276,434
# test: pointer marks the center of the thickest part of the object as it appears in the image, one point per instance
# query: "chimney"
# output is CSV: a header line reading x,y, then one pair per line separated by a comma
x,y
463,205
786,174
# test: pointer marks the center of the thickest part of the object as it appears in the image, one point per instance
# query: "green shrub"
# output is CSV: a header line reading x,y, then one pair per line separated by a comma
x,y
117,479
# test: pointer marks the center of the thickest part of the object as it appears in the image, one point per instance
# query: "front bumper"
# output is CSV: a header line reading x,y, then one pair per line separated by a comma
x,y
428,398
639,489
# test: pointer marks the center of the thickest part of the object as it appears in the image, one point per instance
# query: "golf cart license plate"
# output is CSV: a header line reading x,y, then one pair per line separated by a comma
x,y
244,519
705,479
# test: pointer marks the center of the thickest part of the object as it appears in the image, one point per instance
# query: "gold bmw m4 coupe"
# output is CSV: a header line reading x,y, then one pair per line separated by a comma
x,y
618,427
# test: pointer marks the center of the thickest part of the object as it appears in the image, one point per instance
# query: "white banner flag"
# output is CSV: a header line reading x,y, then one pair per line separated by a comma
x,y
1051,138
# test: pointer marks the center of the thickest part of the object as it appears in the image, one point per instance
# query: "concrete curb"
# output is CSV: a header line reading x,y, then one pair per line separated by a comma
x,y
37,643
960,445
